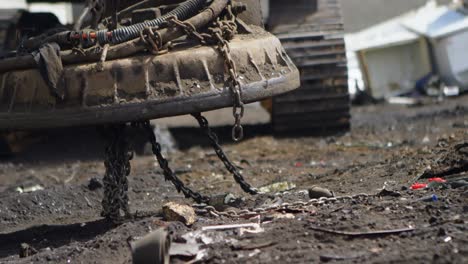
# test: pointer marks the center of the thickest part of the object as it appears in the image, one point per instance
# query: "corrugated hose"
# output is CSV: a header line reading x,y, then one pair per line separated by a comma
x,y
120,35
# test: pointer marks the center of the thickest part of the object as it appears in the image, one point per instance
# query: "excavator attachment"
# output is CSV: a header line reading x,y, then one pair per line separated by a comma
x,y
184,73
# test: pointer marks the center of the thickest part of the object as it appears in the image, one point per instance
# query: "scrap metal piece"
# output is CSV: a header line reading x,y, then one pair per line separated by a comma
x,y
152,248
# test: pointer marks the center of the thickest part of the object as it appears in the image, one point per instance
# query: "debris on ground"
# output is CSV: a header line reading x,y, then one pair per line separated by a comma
x,y
187,250
277,187
384,192
224,201
371,180
251,246
282,216
152,248
26,250
317,192
429,198
29,189
252,228
418,185
400,100
179,212
94,184
364,234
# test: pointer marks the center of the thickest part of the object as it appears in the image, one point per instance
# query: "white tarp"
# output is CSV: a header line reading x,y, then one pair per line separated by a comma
x,y
394,51
389,33
62,10
435,21
431,21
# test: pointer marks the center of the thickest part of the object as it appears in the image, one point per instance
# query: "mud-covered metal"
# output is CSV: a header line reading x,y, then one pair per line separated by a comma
x,y
115,205
186,80
152,248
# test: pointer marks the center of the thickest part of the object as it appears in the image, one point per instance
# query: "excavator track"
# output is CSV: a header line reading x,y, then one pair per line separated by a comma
x,y
316,45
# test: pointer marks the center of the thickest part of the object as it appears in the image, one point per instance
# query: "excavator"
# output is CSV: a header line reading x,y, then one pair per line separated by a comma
x,y
125,62
311,32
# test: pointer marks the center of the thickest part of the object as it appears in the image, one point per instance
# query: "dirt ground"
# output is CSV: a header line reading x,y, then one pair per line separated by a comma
x,y
389,148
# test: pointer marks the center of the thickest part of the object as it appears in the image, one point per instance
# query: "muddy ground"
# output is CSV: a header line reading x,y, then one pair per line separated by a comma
x,y
389,147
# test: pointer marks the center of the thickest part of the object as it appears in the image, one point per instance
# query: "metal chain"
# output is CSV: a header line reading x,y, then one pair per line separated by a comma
x,y
297,205
189,29
169,175
153,40
117,163
203,122
222,31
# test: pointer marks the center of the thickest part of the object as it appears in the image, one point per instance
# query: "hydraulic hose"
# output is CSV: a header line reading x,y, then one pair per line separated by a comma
x,y
120,35
120,50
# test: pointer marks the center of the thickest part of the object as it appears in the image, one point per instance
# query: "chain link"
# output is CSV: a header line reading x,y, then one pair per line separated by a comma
x,y
117,163
220,33
169,175
203,122
153,40
223,33
297,205
189,29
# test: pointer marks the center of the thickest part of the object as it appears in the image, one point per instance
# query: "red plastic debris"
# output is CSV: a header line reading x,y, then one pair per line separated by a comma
x,y
437,180
417,186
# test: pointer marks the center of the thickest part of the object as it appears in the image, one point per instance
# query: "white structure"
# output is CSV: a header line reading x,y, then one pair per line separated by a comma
x,y
395,54
62,10
391,58
447,32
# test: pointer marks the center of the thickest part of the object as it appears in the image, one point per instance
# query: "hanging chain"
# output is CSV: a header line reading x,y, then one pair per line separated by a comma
x,y
117,163
117,155
220,33
169,175
203,122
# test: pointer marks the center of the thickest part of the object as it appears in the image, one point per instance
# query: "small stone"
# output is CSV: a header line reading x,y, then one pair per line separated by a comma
x,y
26,250
179,212
319,192
94,184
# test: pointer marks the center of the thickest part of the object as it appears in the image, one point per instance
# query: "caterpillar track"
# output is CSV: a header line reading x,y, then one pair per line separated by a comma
x,y
316,45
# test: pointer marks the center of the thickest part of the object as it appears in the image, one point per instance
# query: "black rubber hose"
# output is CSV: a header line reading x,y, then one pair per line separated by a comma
x,y
120,35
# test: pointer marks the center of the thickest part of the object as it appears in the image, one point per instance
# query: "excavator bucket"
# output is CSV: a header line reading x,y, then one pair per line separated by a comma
x,y
187,75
